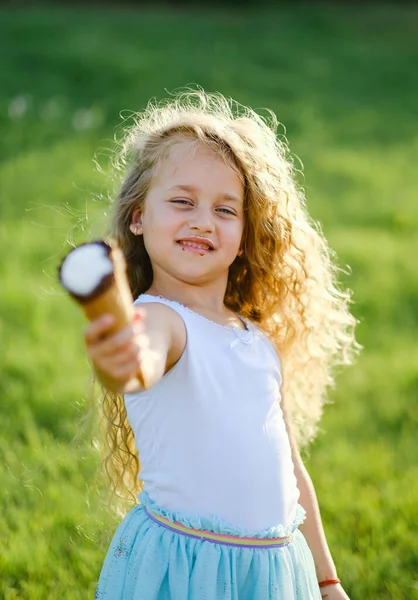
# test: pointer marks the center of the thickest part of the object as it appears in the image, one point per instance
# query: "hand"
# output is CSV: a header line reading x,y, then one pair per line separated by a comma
x,y
115,357
333,592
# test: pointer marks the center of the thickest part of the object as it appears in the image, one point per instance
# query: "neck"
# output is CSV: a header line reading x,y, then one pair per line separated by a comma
x,y
207,297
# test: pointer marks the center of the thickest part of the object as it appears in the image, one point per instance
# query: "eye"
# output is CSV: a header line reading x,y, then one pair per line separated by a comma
x,y
181,201
226,211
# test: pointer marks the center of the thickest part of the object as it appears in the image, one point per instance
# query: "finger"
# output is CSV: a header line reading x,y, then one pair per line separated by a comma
x,y
113,343
123,341
98,328
115,361
138,315
125,372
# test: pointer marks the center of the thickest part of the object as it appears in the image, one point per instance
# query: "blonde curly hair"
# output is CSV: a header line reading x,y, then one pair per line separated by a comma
x,y
286,278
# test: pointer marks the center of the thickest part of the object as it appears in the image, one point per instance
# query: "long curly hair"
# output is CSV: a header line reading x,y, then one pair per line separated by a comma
x,y
286,278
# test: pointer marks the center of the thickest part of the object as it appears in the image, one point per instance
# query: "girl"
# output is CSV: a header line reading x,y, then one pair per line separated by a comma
x,y
239,323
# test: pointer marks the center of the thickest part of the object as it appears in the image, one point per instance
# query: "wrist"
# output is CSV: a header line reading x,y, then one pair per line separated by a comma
x,y
328,581
107,383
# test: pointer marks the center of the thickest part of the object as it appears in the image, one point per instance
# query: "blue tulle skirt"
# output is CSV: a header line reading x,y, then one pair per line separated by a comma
x,y
147,561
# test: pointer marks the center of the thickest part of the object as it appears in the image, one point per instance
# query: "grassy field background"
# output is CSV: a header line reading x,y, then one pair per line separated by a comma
x,y
344,82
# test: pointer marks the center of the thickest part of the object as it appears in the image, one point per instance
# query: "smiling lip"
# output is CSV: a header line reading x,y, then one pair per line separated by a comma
x,y
197,244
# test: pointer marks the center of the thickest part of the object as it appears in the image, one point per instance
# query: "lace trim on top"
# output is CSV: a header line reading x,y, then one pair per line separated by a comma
x,y
246,323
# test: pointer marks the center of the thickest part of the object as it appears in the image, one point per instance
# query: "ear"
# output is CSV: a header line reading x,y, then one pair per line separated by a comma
x,y
136,222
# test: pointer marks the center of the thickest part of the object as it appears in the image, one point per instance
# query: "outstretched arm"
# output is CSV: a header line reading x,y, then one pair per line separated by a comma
x,y
150,346
312,527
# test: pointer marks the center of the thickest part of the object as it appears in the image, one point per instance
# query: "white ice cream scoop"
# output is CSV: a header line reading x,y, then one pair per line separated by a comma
x,y
84,268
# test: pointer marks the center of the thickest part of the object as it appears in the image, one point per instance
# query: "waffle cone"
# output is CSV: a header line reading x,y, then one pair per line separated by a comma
x,y
111,301
115,299
112,296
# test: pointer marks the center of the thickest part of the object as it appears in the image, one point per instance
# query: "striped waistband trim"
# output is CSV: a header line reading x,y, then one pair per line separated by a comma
x,y
220,538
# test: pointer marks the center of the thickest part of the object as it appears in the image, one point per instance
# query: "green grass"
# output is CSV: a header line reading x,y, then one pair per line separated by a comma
x,y
343,81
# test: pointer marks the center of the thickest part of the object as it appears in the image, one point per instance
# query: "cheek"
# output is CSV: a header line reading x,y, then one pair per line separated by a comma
x,y
233,235
159,231
156,220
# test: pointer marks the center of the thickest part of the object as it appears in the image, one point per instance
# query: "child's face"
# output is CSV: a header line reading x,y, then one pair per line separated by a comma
x,y
194,194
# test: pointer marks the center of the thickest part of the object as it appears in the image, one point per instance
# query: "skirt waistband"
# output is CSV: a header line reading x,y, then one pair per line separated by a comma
x,y
219,538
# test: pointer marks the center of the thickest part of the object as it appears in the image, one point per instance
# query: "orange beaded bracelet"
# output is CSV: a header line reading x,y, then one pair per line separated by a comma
x,y
328,582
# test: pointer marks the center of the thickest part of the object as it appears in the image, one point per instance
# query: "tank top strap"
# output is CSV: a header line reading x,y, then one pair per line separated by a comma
x,y
196,325
202,323
176,306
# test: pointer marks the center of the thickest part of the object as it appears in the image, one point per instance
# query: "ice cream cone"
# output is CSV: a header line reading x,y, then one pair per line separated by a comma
x,y
115,296
94,274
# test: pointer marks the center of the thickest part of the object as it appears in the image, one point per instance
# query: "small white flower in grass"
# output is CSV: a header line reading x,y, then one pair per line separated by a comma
x,y
18,106
87,118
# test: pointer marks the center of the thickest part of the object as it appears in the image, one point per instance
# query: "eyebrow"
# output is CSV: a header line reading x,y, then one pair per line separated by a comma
x,y
192,188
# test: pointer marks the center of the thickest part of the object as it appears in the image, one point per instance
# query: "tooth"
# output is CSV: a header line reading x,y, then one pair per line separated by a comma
x,y
196,245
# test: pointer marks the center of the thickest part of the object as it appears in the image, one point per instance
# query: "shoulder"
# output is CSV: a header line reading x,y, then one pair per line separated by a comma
x,y
157,309
162,320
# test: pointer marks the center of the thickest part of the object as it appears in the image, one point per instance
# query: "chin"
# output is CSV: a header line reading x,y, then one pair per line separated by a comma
x,y
197,276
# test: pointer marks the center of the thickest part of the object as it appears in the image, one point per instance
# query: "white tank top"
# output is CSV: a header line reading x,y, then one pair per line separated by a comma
x,y
210,434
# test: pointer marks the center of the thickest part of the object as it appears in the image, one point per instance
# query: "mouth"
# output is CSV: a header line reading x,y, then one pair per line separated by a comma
x,y
196,245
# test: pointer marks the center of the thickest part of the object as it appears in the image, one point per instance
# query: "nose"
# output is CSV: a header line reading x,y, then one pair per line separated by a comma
x,y
202,220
